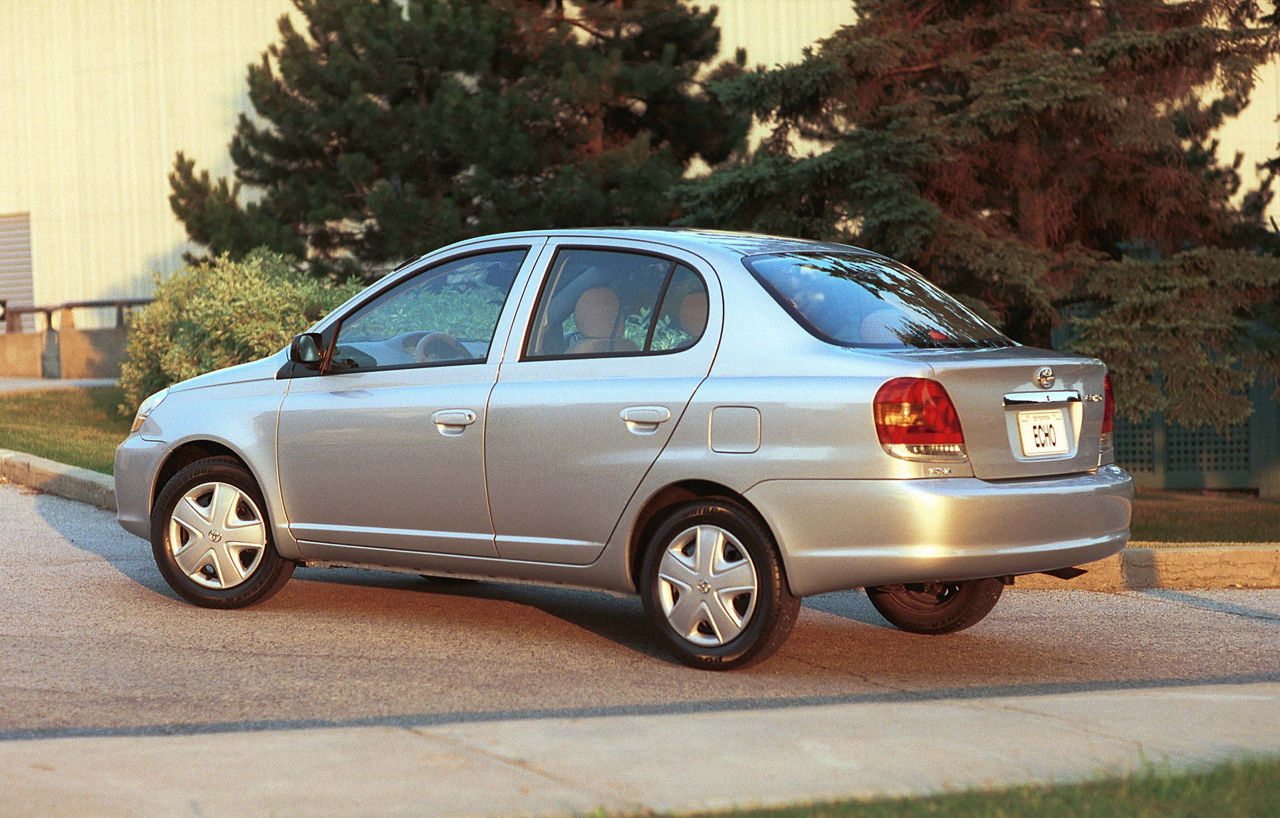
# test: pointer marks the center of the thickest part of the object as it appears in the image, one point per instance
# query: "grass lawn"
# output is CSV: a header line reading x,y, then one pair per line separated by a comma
x,y
76,426
1246,789
1186,516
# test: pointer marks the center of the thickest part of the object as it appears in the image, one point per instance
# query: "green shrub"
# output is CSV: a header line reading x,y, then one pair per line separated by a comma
x,y
228,312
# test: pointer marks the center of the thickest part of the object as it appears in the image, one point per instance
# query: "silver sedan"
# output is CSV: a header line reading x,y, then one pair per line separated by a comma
x,y
723,423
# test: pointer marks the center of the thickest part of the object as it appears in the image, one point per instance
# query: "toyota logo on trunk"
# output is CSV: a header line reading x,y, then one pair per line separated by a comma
x,y
1045,378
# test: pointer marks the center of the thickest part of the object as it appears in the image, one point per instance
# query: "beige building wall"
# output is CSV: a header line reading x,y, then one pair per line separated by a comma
x,y
1256,132
776,31
96,97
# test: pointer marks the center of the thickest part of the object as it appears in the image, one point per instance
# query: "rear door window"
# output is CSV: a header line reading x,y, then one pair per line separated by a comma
x,y
862,301
599,303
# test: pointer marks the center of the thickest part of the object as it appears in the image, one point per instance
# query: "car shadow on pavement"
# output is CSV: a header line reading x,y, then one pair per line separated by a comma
x,y
619,619
1201,601
101,535
850,605
846,619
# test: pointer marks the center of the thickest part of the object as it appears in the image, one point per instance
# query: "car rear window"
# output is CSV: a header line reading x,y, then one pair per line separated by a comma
x,y
860,301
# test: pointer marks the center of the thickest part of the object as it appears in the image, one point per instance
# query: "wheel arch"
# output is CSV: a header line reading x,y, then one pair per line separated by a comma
x,y
655,510
190,452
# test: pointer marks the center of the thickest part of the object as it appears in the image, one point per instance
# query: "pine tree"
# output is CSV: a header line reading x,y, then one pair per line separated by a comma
x,y
1028,154
385,129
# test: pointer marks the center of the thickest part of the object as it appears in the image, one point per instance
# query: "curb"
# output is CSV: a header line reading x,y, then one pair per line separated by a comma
x,y
71,482
1139,566
1186,567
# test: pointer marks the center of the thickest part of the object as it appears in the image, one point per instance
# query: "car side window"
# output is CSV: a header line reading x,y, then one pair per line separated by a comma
x,y
446,314
598,303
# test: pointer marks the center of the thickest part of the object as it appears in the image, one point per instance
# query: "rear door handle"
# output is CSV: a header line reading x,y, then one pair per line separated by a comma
x,y
453,422
644,420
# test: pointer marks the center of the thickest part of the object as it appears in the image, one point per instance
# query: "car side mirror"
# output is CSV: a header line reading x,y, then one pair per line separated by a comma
x,y
305,350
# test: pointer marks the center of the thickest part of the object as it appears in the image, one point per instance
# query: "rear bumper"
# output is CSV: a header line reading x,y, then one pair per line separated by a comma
x,y
841,534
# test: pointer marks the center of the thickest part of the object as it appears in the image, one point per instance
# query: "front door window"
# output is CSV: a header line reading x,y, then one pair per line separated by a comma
x,y
445,315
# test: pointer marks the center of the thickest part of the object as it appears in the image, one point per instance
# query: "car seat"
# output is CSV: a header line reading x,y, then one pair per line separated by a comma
x,y
599,322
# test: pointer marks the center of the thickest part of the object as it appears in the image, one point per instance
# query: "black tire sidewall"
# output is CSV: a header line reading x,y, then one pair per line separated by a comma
x,y
972,602
756,641
266,578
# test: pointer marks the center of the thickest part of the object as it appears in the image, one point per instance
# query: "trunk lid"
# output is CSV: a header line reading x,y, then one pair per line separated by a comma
x,y
1018,420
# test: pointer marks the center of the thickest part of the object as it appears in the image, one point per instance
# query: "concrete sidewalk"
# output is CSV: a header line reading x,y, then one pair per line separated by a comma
x,y
32,384
673,762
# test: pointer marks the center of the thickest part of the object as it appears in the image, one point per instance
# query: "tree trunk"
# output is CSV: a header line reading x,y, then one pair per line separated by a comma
x,y
1030,200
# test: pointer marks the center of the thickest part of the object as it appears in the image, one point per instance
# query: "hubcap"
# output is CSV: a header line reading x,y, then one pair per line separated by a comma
x,y
707,585
217,535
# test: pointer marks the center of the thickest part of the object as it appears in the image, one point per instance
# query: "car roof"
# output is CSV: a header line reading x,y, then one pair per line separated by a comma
x,y
689,238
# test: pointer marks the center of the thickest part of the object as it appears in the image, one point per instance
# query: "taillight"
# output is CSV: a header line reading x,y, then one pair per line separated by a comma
x,y
916,420
1108,413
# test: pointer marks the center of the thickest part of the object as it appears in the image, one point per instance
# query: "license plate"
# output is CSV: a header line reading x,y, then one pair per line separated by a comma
x,y
1042,433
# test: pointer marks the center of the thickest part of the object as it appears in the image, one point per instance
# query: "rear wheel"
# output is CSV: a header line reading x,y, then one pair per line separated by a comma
x,y
936,607
211,537
713,586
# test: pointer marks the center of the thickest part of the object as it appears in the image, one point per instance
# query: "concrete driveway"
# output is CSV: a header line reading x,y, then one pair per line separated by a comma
x,y
354,692
30,384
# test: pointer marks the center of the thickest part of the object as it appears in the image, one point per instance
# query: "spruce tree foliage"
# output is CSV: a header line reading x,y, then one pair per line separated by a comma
x,y
385,129
1027,154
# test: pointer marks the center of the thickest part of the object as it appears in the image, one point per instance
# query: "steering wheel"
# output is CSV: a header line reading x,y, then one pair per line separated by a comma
x,y
439,346
407,341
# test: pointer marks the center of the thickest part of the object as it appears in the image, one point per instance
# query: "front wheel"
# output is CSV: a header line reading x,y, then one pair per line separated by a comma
x,y
211,538
713,587
936,607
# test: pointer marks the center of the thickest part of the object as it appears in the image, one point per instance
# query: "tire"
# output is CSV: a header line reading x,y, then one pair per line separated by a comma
x,y
936,607
723,564
212,539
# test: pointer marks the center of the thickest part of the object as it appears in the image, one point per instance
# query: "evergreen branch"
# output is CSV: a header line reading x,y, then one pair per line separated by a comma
x,y
579,23
913,69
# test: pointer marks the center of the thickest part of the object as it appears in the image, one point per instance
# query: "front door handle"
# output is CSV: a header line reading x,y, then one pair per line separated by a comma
x,y
644,420
453,422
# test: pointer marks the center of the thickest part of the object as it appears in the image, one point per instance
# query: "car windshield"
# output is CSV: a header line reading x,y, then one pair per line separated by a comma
x,y
856,300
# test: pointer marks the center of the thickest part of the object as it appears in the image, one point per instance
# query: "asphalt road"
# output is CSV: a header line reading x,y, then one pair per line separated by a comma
x,y
95,644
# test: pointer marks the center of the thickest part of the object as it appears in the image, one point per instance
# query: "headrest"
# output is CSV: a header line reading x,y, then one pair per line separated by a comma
x,y
596,313
693,313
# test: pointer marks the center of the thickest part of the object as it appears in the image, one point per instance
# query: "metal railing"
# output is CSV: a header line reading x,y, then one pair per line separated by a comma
x,y
13,315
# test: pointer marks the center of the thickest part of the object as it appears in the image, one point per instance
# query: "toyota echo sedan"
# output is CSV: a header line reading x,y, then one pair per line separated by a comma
x,y
722,423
